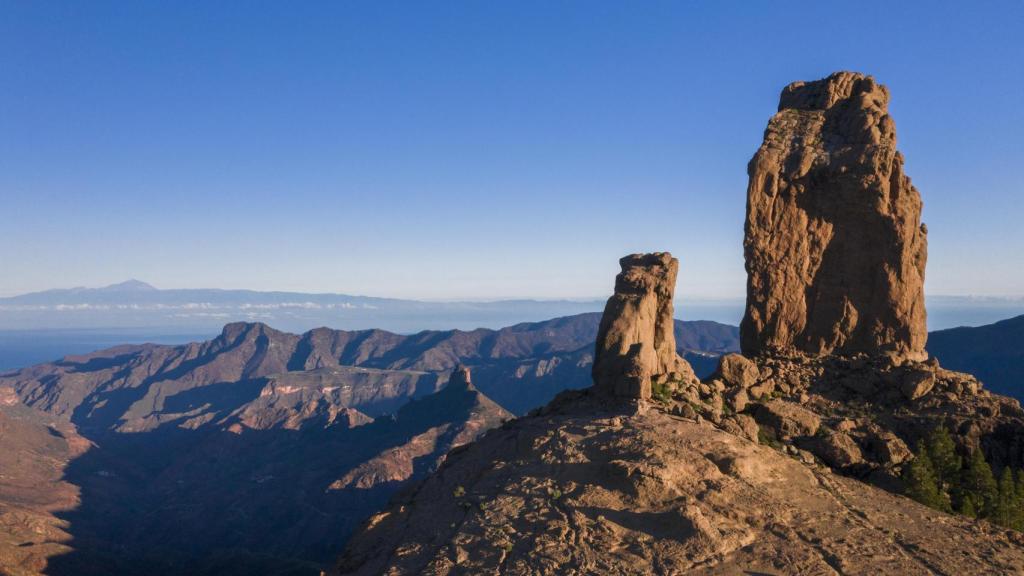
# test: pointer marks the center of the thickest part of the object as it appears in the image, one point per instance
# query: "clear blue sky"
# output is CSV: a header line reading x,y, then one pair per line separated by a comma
x,y
470,149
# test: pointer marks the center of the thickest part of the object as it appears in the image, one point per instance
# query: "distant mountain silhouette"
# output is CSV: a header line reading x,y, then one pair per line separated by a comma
x,y
136,304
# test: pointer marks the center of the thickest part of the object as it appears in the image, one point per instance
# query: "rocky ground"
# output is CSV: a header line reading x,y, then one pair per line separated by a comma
x,y
858,414
584,487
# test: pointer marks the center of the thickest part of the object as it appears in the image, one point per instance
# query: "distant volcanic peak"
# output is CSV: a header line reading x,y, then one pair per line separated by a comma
x,y
131,285
636,341
834,245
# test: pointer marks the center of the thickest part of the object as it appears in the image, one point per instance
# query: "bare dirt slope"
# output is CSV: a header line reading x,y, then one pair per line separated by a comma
x,y
35,449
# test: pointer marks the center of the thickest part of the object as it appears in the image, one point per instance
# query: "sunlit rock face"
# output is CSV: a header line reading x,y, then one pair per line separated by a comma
x,y
636,344
834,245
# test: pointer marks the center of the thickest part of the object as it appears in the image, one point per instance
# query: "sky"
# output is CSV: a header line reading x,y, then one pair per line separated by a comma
x,y
471,150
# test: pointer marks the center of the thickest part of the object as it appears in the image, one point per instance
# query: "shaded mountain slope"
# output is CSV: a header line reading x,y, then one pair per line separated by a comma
x,y
272,500
211,458
993,353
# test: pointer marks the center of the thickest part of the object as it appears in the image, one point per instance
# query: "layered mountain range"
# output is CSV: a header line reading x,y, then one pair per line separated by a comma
x,y
192,457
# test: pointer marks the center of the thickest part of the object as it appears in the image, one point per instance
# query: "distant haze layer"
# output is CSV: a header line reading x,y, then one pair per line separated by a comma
x,y
44,326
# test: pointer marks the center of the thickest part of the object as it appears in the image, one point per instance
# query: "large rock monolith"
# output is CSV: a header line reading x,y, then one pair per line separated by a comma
x,y
834,245
636,344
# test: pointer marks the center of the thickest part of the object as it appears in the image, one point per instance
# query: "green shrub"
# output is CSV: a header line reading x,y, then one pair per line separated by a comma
x,y
661,391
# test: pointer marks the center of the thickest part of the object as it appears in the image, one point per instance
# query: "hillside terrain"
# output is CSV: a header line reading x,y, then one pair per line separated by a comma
x,y
193,457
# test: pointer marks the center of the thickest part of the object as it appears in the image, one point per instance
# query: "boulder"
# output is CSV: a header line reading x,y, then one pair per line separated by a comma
x,y
636,342
834,246
748,425
762,390
737,399
888,449
786,419
837,449
737,370
917,384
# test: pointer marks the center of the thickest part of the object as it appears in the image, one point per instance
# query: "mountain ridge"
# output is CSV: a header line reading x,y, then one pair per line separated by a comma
x,y
337,420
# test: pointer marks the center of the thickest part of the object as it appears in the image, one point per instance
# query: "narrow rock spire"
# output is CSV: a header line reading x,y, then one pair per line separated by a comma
x,y
460,378
636,344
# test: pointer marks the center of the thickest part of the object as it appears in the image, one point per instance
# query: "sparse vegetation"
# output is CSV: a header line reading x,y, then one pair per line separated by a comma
x,y
661,391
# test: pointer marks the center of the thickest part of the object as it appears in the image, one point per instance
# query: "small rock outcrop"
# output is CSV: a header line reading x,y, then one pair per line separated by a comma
x,y
834,245
636,344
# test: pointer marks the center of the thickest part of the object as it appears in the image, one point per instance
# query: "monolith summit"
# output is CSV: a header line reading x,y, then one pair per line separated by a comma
x,y
834,245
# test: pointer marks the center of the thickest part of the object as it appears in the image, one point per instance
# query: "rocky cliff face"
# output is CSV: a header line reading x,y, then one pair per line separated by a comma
x,y
636,345
834,245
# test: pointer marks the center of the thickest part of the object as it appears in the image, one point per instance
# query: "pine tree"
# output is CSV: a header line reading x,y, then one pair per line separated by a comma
x,y
1003,511
920,482
1018,505
945,460
980,485
967,507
